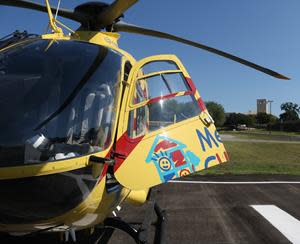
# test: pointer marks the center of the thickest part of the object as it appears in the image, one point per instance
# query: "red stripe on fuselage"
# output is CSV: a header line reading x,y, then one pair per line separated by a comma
x,y
226,156
104,171
124,146
156,99
191,84
218,157
201,104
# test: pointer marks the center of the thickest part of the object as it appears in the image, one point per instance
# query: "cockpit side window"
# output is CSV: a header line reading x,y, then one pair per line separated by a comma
x,y
160,99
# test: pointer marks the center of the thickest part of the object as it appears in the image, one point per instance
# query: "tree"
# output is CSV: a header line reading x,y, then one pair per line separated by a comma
x,y
263,118
216,111
291,111
234,119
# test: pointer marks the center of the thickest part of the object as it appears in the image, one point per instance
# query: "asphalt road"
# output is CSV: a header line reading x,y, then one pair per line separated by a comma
x,y
223,210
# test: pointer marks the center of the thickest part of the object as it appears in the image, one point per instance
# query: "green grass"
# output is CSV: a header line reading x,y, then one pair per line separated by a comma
x,y
262,134
259,158
278,133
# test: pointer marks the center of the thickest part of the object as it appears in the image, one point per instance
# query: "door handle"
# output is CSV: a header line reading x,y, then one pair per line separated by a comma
x,y
206,118
100,160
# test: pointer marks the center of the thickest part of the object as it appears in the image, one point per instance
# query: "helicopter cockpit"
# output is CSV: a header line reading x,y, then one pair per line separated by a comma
x,y
57,100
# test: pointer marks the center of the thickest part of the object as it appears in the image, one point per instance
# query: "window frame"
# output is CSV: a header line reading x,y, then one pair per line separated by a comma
x,y
134,77
133,105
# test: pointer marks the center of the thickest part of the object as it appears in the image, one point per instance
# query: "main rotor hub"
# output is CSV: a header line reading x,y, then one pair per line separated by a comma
x,y
91,10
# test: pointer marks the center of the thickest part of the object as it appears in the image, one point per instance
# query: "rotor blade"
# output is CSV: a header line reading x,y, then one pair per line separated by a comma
x,y
114,11
40,7
124,27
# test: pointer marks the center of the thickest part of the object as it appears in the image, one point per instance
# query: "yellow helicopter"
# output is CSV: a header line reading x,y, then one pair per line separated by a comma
x,y
88,127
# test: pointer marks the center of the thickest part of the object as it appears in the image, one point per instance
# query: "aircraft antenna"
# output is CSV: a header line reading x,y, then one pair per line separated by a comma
x,y
58,6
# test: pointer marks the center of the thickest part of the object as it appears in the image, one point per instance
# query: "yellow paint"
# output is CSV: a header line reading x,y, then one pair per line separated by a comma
x,y
158,73
47,167
98,204
137,197
135,175
52,21
144,175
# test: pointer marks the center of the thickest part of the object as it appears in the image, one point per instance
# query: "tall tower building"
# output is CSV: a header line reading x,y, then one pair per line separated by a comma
x,y
262,105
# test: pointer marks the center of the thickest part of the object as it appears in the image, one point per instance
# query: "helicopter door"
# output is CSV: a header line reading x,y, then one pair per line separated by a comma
x,y
165,130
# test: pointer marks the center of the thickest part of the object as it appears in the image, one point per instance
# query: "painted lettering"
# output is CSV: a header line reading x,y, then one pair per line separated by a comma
x,y
208,160
218,136
208,138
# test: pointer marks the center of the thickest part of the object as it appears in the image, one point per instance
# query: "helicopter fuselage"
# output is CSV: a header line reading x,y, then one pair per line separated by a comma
x,y
47,178
89,127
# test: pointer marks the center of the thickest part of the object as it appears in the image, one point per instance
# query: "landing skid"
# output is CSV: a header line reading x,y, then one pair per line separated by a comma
x,y
138,234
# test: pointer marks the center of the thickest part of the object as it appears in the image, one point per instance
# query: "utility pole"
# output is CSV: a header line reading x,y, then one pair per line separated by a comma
x,y
270,102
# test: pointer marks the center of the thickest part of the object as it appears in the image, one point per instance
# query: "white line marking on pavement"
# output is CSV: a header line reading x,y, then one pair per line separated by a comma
x,y
234,182
281,220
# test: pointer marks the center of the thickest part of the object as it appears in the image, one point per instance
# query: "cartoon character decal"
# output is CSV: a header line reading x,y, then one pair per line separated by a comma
x,y
171,158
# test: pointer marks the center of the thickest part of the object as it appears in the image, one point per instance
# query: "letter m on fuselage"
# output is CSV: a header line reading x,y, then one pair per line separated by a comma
x,y
208,139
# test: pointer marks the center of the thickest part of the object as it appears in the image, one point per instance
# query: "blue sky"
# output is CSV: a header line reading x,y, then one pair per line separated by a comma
x,y
263,31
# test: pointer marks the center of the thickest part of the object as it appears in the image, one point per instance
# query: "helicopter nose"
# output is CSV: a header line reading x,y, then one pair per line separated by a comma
x,y
33,199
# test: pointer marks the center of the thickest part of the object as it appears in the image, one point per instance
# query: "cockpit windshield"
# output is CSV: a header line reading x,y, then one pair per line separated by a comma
x,y
57,100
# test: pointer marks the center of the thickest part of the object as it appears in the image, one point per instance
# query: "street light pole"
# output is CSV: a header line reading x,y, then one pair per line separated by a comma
x,y
270,102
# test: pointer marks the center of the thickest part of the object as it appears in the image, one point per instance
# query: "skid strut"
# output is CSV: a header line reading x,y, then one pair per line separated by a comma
x,y
160,230
138,234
